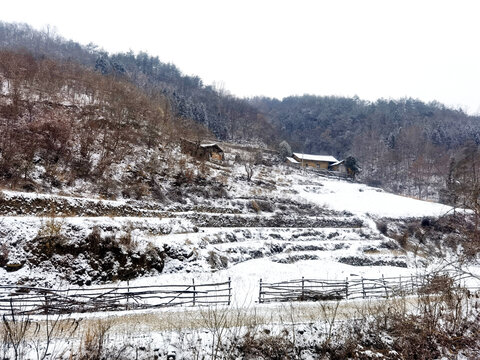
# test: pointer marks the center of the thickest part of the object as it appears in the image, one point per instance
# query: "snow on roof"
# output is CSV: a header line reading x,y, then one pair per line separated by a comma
x,y
292,160
310,157
338,163
213,145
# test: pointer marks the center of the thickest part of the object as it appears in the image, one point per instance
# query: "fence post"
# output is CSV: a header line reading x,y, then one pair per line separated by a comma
x,y
363,289
47,304
346,287
128,293
229,290
260,293
385,286
193,282
303,289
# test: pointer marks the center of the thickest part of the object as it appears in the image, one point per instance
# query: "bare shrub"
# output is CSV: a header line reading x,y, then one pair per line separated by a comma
x,y
52,227
184,177
222,179
402,239
382,227
49,237
266,346
441,323
254,205
249,170
107,187
329,312
4,253
340,349
216,321
14,329
438,323
127,241
81,167
217,261
265,205
157,191
96,345
204,169
258,158
140,190
51,335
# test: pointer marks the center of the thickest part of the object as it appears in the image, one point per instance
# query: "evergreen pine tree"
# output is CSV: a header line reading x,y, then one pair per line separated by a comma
x,y
284,150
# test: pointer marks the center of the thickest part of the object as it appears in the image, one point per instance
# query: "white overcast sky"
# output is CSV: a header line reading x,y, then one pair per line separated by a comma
x,y
374,49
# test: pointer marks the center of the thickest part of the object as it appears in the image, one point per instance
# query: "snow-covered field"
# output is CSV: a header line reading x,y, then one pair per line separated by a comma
x,y
362,199
312,227
252,252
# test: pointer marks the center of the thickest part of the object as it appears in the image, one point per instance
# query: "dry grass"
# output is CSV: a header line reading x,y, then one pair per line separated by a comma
x,y
375,252
51,227
174,319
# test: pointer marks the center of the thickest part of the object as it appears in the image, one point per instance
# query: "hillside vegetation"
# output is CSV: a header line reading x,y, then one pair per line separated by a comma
x,y
405,145
227,117
62,124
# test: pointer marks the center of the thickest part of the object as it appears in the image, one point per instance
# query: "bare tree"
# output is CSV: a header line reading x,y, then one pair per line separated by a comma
x,y
249,170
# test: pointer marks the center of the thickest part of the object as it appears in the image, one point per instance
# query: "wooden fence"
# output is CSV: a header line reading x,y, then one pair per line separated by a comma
x,y
330,173
35,300
358,287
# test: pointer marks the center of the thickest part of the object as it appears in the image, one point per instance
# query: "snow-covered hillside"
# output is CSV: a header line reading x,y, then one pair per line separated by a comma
x,y
362,199
284,224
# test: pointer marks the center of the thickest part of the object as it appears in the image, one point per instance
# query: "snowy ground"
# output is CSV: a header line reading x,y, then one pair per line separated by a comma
x,y
251,249
362,199
254,253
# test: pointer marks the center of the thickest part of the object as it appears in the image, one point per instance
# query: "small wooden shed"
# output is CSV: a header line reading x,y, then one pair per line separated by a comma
x,y
314,161
338,166
214,151
202,151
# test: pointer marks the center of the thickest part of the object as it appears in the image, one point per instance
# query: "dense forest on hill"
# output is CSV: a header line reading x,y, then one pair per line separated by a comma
x,y
406,146
227,117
